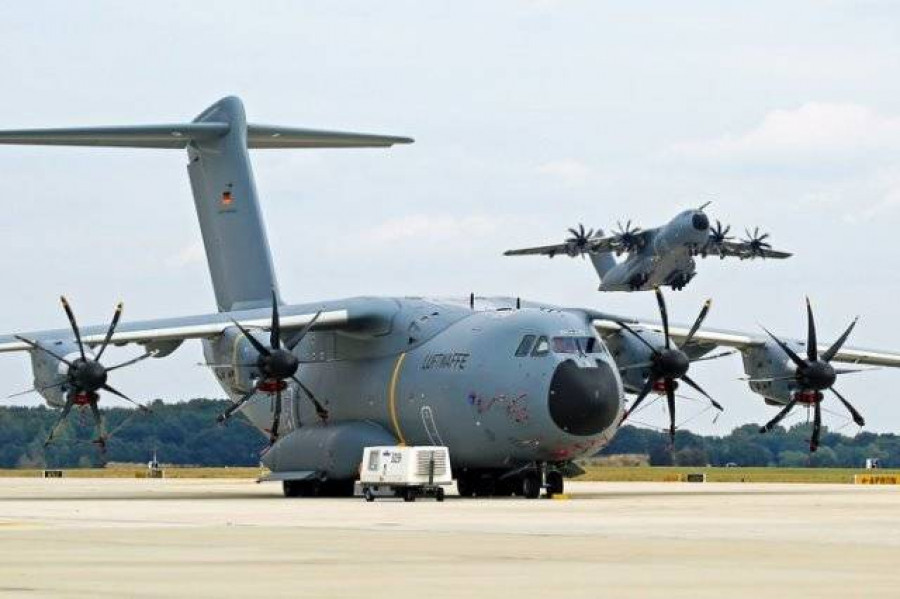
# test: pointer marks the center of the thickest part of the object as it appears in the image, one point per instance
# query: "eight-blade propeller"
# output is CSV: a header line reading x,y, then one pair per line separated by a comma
x,y
277,364
669,364
813,375
86,375
627,238
756,243
718,235
579,241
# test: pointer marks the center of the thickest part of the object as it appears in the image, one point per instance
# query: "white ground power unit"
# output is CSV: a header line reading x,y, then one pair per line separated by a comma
x,y
407,472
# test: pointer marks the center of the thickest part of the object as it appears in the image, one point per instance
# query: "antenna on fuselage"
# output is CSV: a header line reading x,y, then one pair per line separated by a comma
x,y
518,303
472,301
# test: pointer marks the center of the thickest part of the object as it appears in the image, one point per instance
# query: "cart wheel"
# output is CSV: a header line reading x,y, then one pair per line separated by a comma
x,y
409,494
439,494
368,494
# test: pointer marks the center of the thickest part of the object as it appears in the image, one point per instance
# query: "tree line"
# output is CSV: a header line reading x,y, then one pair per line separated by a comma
x,y
187,434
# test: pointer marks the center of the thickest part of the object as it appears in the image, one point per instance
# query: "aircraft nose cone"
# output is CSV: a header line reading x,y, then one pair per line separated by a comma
x,y
583,401
700,221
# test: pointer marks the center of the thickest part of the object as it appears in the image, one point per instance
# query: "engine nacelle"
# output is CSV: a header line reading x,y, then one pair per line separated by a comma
x,y
231,354
50,374
628,351
768,361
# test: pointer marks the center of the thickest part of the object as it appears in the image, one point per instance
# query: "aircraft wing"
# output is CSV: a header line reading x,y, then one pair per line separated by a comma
x,y
742,250
362,316
710,338
594,244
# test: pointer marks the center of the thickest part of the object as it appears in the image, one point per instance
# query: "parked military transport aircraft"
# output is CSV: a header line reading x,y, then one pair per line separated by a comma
x,y
515,389
658,256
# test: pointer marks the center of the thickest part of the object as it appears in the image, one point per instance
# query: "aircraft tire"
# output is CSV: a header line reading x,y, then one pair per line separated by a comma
x,y
555,484
531,486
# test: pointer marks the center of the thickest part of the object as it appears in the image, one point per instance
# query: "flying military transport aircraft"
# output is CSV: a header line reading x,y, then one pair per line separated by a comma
x,y
517,390
658,256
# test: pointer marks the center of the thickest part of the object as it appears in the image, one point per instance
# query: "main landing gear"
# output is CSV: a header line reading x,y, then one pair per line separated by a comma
x,y
527,482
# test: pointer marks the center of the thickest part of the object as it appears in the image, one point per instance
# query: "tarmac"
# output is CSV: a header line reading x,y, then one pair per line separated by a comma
x,y
227,538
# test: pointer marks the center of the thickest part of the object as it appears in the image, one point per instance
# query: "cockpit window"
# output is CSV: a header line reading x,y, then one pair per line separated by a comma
x,y
525,346
577,345
542,347
566,345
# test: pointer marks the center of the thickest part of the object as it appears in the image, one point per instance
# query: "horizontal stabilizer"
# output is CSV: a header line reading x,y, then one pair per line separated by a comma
x,y
178,136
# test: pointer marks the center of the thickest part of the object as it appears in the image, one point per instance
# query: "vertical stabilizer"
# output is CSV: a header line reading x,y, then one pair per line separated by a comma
x,y
231,222
222,181
603,263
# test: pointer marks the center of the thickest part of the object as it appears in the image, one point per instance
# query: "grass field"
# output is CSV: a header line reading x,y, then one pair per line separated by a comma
x,y
593,473
728,475
127,471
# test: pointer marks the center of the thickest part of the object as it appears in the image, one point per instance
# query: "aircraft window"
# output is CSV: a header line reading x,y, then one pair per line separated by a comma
x,y
541,348
525,345
566,345
577,345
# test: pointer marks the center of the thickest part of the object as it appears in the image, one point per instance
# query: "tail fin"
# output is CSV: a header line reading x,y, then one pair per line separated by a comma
x,y
603,263
234,235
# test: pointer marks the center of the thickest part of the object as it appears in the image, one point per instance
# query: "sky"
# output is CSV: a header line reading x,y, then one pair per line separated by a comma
x,y
529,117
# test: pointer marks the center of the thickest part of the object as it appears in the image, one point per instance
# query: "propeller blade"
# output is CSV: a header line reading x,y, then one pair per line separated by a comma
x,y
276,418
648,386
705,204
262,349
296,339
723,354
832,351
633,332
131,361
70,401
778,417
112,329
36,390
670,400
812,350
118,393
321,412
784,346
817,427
664,313
98,422
39,347
224,416
275,333
700,390
71,316
700,318
857,417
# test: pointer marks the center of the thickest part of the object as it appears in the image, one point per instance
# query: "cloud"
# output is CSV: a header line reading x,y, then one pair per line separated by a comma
x,y
813,132
432,227
571,172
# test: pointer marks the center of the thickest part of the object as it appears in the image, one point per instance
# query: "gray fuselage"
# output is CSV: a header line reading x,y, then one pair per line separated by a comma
x,y
441,373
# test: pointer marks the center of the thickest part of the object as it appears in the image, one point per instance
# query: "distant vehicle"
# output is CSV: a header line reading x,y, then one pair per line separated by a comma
x,y
873,463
